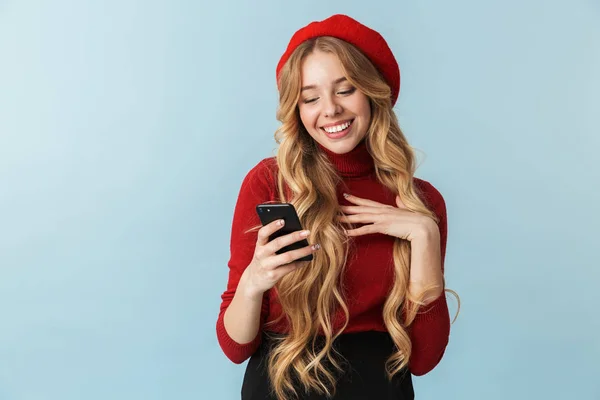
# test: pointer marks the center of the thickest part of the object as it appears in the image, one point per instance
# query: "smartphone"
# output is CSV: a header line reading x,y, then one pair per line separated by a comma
x,y
286,211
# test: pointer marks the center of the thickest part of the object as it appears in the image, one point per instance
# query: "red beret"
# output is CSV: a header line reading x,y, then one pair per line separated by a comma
x,y
370,42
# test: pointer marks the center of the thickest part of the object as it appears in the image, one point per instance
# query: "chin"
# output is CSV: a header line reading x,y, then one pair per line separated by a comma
x,y
342,146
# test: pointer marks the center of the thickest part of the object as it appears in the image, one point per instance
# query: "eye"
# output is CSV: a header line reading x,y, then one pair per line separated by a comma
x,y
345,93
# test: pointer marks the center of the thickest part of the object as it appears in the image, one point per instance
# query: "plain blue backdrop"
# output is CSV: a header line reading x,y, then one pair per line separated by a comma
x,y
126,128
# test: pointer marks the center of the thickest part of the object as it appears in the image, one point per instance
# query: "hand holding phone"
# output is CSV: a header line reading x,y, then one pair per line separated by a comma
x,y
280,248
286,212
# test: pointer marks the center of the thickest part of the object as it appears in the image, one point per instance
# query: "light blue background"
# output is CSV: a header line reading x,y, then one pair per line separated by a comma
x,y
127,126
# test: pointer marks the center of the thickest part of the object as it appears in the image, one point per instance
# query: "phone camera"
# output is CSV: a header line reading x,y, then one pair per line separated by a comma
x,y
268,210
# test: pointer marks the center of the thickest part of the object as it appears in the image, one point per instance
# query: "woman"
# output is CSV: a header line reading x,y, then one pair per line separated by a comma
x,y
369,310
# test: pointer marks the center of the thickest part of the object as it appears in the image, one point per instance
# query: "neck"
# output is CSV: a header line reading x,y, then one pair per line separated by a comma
x,y
356,163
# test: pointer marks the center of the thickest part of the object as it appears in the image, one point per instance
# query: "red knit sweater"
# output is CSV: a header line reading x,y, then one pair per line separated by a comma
x,y
369,273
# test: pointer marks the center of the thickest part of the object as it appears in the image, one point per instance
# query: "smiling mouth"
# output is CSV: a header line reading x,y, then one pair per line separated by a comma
x,y
339,129
336,133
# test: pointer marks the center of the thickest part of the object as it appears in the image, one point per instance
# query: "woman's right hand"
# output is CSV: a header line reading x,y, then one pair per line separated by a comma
x,y
267,268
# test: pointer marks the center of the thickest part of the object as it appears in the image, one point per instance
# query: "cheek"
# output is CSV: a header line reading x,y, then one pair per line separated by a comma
x,y
367,112
308,118
365,108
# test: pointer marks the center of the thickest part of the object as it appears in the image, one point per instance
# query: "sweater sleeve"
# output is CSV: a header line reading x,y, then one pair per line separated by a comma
x,y
256,188
430,330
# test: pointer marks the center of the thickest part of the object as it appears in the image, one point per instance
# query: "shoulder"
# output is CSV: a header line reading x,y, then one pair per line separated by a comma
x,y
264,169
262,177
431,196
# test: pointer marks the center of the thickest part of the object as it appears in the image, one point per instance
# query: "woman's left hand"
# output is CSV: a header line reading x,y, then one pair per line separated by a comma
x,y
397,221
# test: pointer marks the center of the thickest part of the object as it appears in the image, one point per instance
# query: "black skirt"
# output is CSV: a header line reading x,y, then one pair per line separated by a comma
x,y
364,376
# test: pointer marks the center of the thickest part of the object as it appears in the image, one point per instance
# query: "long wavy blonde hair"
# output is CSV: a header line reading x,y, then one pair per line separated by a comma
x,y
310,296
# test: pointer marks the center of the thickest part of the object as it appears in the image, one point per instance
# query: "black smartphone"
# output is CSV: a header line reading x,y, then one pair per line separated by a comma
x,y
286,211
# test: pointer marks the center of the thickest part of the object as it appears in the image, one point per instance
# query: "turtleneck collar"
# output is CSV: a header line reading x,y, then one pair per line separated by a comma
x,y
354,164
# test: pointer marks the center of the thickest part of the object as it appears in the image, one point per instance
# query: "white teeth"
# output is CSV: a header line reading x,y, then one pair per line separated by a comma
x,y
339,128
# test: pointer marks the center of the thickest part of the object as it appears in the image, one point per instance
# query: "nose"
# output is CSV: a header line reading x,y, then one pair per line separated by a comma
x,y
331,107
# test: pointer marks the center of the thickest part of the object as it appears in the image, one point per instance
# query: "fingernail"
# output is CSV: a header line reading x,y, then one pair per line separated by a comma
x,y
281,222
304,233
316,246
346,195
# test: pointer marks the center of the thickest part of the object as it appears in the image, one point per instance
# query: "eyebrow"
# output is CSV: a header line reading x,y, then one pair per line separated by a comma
x,y
338,80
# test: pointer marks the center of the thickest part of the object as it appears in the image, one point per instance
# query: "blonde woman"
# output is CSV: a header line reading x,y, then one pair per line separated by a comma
x,y
370,309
